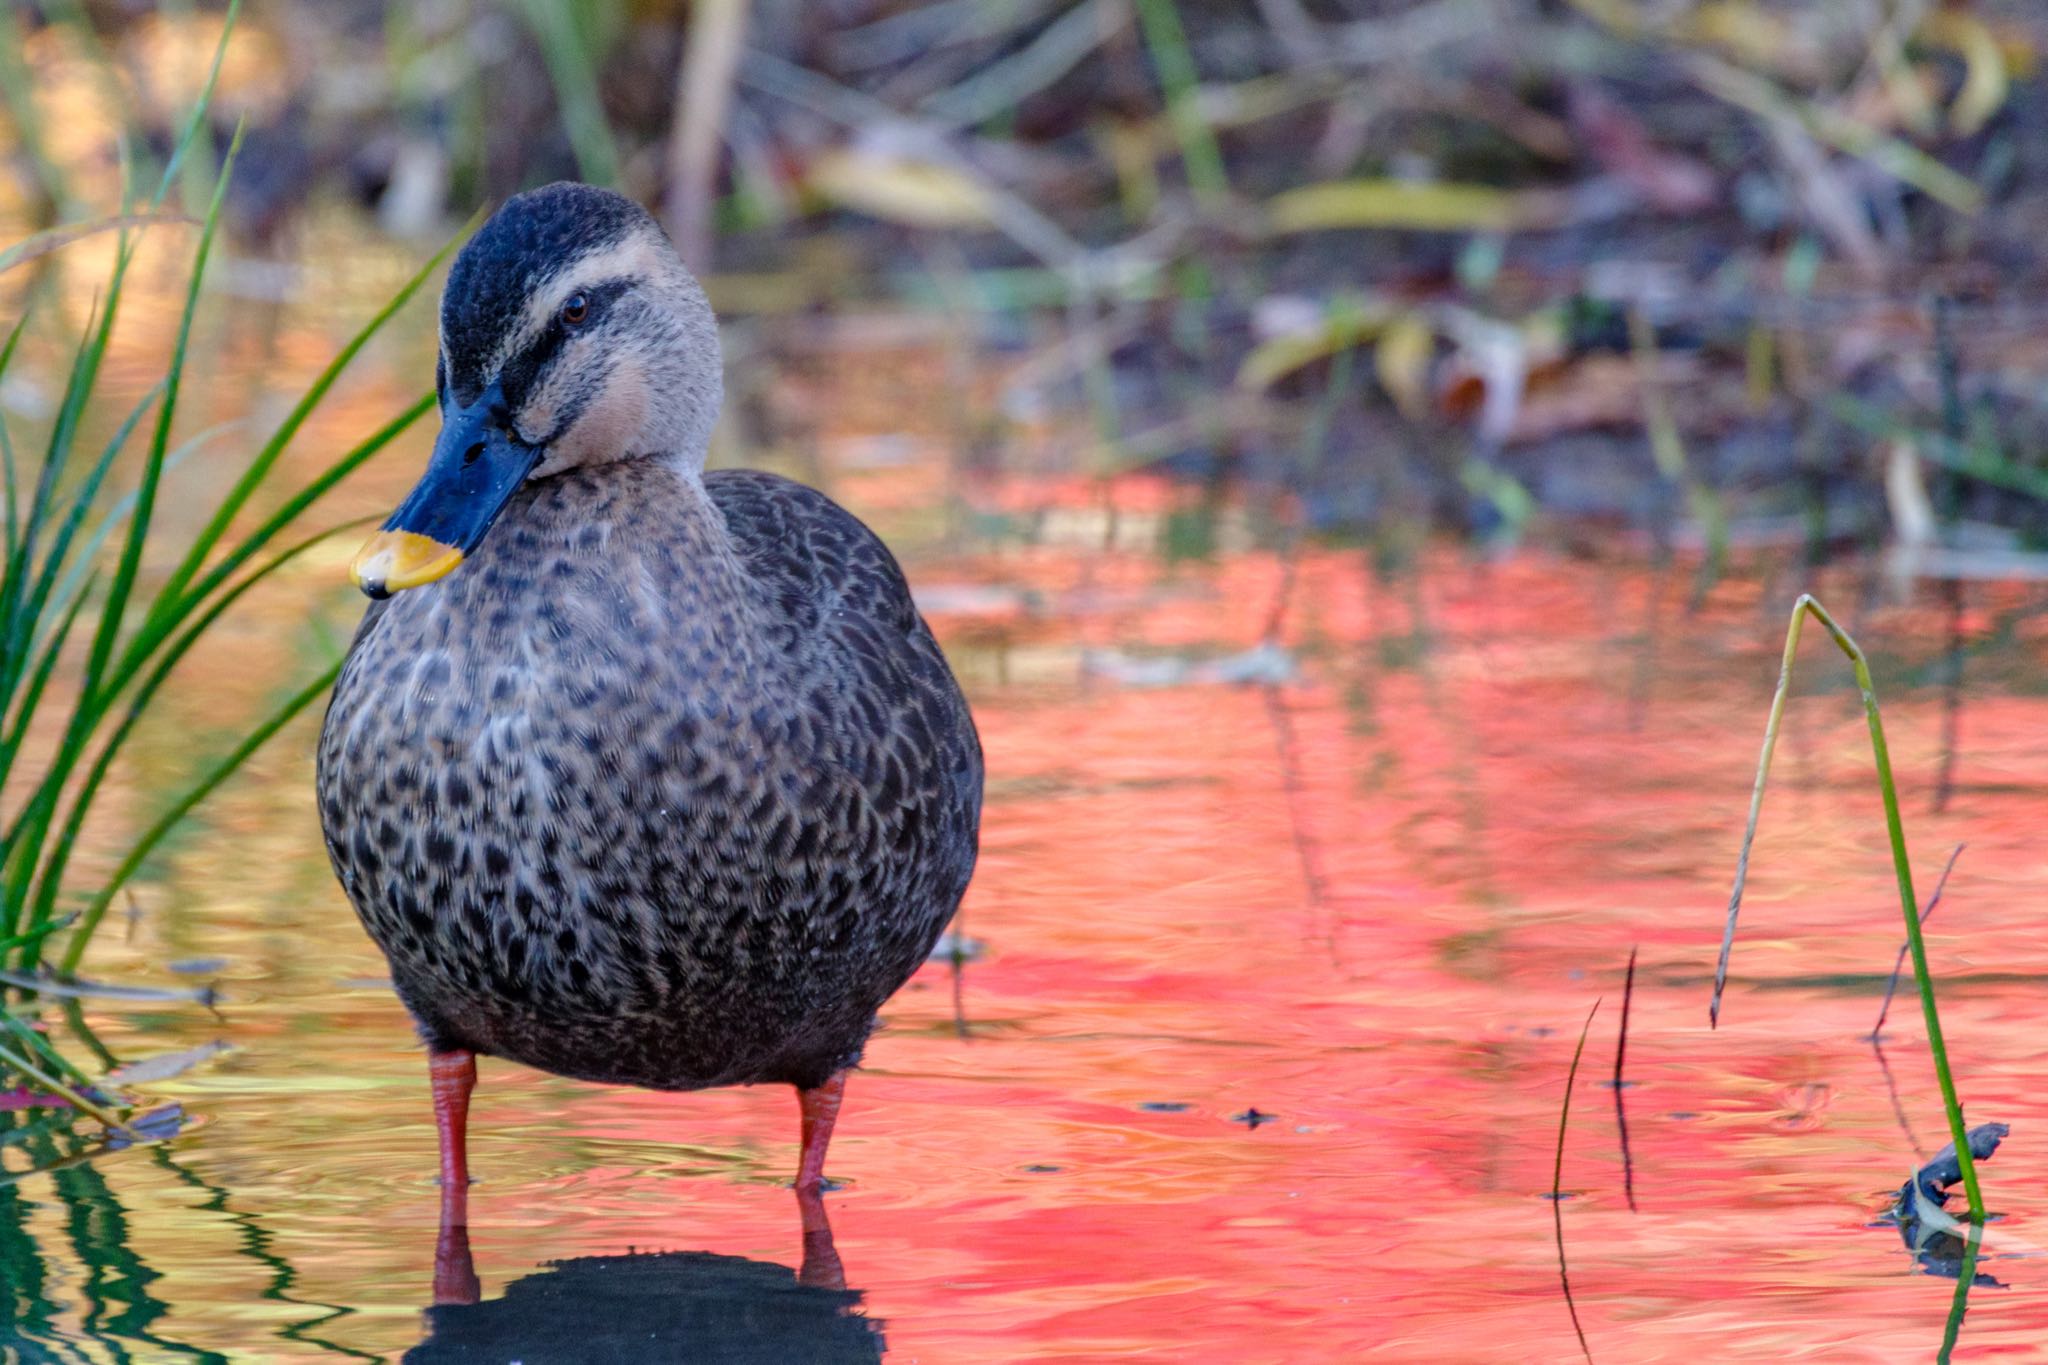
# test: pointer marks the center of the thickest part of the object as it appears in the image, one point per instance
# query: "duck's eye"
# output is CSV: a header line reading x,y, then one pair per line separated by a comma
x,y
575,309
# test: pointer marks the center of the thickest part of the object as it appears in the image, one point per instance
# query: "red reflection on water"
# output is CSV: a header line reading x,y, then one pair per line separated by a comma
x,y
1374,902
1371,896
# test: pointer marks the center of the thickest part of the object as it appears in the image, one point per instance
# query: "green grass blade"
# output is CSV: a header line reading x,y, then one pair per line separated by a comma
x,y
81,804
1959,1302
152,470
95,697
12,477
88,553
197,118
38,933
16,644
25,840
10,745
39,244
260,467
32,1040
299,502
75,1098
12,472
89,920
1168,43
84,372
1901,868
162,622
21,604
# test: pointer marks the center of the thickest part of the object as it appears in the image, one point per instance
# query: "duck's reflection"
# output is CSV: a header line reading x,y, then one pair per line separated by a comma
x,y
689,1305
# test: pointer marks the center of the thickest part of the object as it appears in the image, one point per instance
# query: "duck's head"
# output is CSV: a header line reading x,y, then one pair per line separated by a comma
x,y
570,336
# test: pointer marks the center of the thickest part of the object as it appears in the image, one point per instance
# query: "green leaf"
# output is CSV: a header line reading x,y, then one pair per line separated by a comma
x,y
74,948
94,695
138,705
40,244
173,589
1427,206
196,120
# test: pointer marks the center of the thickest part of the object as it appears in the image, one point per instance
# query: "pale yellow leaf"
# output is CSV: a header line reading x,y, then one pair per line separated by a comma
x,y
1416,205
1279,356
900,189
1985,83
1402,362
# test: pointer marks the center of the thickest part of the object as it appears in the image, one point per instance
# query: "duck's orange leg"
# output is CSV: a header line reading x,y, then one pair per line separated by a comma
x,y
821,1110
453,1076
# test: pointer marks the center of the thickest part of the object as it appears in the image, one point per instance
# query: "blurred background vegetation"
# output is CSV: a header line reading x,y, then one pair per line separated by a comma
x,y
1704,275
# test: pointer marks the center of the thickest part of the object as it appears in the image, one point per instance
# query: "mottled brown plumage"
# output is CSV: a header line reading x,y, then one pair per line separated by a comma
x,y
667,783
681,814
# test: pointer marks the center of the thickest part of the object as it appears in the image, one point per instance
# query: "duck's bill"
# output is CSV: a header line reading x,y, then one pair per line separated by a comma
x,y
477,466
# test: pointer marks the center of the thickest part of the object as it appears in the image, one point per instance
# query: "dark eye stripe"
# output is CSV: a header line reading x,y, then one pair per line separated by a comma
x,y
522,370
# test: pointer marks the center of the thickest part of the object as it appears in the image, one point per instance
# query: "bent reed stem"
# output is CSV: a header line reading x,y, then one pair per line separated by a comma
x,y
1806,606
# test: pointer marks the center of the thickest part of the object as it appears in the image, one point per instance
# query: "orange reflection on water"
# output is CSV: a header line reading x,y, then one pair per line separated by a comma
x,y
1283,955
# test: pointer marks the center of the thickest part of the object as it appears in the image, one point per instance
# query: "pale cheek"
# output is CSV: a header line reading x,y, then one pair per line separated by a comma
x,y
610,425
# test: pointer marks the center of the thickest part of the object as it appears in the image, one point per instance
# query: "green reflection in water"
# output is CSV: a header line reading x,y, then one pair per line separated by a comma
x,y
119,1311
255,1242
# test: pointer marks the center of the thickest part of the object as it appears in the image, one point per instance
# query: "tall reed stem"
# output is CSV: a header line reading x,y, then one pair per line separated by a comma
x,y
1895,829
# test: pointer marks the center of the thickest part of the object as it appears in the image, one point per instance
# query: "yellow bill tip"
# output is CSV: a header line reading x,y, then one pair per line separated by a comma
x,y
396,560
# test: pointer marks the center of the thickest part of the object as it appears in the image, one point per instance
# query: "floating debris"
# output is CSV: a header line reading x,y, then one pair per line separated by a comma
x,y
107,990
1928,1190
165,1065
1252,1118
974,599
1168,1107
953,947
1267,664
156,1125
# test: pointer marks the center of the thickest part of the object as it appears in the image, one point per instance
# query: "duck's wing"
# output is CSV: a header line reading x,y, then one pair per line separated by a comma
x,y
860,657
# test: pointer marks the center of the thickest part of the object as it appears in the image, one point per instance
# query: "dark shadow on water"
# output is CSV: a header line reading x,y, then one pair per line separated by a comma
x,y
654,1306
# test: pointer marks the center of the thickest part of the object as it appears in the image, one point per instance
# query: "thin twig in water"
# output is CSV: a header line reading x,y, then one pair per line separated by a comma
x,y
958,965
1955,426
1628,1164
1951,695
1306,850
1564,1115
1891,1086
1893,987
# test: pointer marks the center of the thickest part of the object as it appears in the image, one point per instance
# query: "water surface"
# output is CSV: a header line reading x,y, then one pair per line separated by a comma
x,y
1299,877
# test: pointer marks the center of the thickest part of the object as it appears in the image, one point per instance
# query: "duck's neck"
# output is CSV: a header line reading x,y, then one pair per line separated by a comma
x,y
668,564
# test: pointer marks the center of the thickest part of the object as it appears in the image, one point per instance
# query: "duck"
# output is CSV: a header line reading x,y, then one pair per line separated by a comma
x,y
636,773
